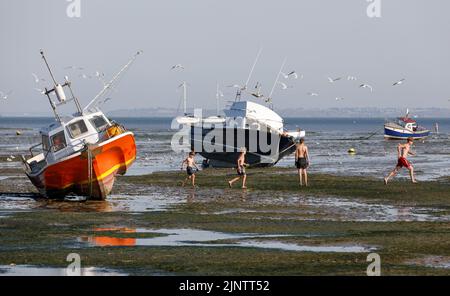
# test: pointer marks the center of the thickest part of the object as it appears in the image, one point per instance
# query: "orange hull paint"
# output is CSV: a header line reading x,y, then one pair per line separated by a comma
x,y
71,175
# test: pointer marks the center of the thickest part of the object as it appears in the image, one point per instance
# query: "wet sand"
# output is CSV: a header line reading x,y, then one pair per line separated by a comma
x,y
150,225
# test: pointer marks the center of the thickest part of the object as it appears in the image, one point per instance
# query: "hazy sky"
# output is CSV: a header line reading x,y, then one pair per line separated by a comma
x,y
217,41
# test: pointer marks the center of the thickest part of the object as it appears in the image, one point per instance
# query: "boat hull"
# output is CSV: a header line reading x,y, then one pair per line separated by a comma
x,y
72,175
284,143
396,133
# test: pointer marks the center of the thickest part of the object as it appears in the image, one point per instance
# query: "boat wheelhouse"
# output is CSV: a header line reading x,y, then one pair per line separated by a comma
x,y
79,154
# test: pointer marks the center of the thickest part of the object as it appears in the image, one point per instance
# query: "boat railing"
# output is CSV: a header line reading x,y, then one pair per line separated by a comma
x,y
33,148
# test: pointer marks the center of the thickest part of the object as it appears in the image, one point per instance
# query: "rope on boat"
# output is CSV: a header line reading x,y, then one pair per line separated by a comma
x,y
362,138
89,161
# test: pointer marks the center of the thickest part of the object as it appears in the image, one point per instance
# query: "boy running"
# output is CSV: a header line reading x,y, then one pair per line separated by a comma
x,y
190,164
240,169
302,161
403,150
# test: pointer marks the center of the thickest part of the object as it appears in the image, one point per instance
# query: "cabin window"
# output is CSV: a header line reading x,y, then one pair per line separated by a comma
x,y
45,143
99,123
58,141
77,128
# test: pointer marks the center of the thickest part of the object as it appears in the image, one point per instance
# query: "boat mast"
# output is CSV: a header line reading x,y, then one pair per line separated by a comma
x,y
184,96
239,91
276,80
252,68
58,89
217,100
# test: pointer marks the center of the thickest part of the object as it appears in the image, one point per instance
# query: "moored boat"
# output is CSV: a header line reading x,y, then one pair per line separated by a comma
x,y
404,127
80,154
248,125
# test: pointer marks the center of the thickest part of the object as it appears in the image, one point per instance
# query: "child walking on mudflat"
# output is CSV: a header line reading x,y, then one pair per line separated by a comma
x,y
240,169
190,165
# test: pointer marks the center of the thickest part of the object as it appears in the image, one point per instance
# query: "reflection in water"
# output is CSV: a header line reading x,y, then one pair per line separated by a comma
x,y
286,205
28,270
205,238
191,196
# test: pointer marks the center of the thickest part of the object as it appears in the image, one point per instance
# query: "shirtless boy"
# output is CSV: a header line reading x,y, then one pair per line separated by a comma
x,y
240,169
403,151
190,165
302,161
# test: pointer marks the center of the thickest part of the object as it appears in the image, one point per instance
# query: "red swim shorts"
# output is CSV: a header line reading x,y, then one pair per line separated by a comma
x,y
403,162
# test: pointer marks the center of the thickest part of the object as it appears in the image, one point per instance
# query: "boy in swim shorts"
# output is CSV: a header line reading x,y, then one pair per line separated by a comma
x,y
240,169
302,161
190,171
403,150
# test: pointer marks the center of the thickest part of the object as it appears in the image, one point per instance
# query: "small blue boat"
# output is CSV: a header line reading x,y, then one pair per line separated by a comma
x,y
403,128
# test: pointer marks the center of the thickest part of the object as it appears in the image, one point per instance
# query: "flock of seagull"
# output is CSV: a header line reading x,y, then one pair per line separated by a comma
x,y
282,84
294,75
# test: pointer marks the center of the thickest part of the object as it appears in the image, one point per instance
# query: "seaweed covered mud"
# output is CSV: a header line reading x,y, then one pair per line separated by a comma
x,y
150,225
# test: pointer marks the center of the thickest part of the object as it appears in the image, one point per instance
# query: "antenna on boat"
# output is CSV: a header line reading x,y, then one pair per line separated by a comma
x,y
276,80
111,82
58,89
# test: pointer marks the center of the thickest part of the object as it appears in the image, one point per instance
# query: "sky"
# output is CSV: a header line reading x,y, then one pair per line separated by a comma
x,y
217,41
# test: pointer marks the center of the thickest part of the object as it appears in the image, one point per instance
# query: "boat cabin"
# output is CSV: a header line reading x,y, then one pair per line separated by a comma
x,y
407,123
253,115
68,136
62,139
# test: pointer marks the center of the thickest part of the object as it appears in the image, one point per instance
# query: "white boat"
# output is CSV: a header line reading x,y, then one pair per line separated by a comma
x,y
256,124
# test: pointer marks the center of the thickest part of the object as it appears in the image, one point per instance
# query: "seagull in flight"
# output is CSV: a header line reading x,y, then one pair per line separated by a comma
x,y
339,99
313,94
74,68
291,74
177,66
237,86
282,84
101,77
366,86
4,96
37,79
399,82
85,76
331,80
41,91
351,78
257,93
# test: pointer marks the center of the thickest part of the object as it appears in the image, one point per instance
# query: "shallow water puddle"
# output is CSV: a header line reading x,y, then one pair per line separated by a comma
x,y
338,209
205,238
29,270
367,212
155,201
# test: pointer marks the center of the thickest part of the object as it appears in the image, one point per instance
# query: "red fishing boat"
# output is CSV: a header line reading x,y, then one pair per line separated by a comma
x,y
80,154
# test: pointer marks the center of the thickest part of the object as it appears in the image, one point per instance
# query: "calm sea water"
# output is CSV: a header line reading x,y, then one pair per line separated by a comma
x,y
328,139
